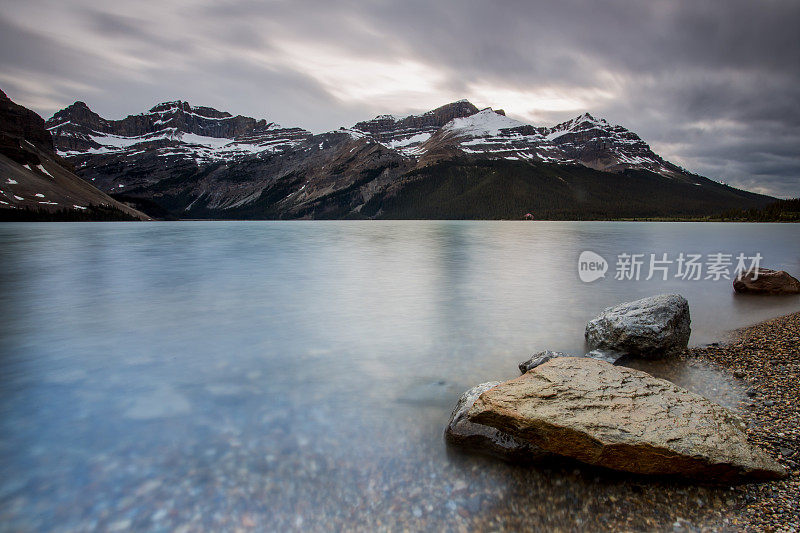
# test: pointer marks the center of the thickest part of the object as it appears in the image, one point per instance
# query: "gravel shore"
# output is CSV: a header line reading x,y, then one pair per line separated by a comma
x,y
766,358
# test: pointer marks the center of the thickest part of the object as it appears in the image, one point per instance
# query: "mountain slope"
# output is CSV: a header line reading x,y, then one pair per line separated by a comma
x,y
503,189
34,179
197,162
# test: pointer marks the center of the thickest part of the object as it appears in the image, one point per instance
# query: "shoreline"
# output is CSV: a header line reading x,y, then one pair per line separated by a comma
x,y
643,219
765,357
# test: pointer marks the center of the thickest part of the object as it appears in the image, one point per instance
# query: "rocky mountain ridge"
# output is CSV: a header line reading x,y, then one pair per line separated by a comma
x,y
201,162
206,134
173,129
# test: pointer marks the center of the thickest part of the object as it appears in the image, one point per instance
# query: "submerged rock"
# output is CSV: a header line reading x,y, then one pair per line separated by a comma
x,y
766,281
470,436
623,419
608,356
163,402
652,327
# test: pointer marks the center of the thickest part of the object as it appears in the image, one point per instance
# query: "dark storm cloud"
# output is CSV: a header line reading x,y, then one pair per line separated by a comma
x,y
711,85
109,25
25,49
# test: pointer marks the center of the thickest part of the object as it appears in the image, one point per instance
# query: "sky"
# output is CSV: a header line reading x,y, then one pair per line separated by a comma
x,y
713,86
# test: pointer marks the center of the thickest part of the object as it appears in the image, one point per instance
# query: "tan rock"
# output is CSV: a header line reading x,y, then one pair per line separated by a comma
x,y
766,281
623,419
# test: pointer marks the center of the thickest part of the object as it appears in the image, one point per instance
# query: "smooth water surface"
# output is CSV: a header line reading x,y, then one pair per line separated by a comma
x,y
298,375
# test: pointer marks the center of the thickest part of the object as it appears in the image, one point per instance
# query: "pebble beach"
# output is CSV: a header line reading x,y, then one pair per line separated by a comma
x,y
766,359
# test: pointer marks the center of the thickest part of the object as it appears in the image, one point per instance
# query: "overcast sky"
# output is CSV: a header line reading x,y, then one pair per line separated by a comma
x,y
712,86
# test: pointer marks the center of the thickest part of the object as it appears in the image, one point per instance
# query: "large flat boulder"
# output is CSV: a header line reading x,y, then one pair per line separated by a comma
x,y
623,419
469,436
652,327
766,281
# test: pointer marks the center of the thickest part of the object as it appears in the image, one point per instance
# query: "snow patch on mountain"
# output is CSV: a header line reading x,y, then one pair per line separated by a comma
x,y
485,122
408,146
44,171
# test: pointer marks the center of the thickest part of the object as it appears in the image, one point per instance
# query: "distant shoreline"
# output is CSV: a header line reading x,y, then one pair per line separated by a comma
x,y
654,219
779,211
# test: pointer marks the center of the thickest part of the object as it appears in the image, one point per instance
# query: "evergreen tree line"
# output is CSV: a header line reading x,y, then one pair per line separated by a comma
x,y
780,211
91,213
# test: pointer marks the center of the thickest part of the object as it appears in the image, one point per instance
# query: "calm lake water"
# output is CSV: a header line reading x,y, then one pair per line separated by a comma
x,y
298,375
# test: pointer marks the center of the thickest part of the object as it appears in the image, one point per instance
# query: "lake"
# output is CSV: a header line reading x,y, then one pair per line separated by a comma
x,y
298,375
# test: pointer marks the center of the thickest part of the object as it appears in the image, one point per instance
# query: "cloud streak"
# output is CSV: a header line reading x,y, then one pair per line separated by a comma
x,y
712,86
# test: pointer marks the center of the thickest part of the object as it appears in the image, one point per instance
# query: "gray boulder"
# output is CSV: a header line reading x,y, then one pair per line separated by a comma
x,y
467,435
649,328
625,419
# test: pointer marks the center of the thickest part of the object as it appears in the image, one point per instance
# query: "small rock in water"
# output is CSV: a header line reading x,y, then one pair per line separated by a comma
x,y
459,485
539,358
766,281
120,525
605,355
161,403
225,389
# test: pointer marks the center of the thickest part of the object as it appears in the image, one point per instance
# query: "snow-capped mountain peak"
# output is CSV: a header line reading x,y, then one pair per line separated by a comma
x,y
177,131
198,161
407,133
170,130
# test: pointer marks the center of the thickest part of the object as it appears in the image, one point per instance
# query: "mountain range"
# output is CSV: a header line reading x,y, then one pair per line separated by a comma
x,y
457,161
